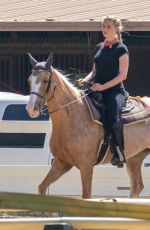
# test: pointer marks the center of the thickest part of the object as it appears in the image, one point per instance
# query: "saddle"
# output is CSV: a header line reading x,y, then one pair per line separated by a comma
x,y
135,109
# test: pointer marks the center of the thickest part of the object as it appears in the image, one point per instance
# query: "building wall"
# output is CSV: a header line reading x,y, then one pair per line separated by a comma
x,y
138,81
72,50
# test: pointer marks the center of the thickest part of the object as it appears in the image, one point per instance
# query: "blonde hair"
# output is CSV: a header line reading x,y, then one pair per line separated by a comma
x,y
116,22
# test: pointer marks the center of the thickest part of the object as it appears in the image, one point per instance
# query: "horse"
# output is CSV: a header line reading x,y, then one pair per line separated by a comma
x,y
75,135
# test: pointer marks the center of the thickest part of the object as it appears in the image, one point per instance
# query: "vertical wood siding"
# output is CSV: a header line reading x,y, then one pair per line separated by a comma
x,y
74,51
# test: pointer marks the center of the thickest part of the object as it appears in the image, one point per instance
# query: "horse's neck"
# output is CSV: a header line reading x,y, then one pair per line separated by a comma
x,y
70,113
65,96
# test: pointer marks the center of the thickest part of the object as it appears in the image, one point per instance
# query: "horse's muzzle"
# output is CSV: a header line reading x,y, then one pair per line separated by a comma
x,y
33,113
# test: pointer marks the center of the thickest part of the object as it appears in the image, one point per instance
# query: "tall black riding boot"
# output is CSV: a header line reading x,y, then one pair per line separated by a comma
x,y
104,145
117,144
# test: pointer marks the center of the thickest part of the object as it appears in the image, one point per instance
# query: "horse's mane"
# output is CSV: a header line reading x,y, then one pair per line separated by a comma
x,y
66,81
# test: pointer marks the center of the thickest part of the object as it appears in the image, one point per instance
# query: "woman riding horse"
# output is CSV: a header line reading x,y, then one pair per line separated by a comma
x,y
109,70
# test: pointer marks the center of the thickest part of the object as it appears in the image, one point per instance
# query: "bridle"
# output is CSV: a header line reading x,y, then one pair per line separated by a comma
x,y
42,105
43,97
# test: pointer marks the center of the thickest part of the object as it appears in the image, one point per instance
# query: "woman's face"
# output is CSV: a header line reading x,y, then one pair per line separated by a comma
x,y
109,30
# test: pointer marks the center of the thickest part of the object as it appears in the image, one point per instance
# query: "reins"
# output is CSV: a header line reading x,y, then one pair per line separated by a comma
x,y
70,103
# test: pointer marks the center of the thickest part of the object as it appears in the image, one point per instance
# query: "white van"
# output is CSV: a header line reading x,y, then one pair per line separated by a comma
x,y
23,141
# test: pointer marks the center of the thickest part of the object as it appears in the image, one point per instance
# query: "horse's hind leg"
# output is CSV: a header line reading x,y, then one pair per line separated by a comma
x,y
134,170
56,171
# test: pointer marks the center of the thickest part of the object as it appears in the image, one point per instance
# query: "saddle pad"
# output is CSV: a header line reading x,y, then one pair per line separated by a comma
x,y
136,113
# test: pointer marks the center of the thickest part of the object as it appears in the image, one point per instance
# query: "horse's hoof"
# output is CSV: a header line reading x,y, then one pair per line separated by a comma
x,y
41,190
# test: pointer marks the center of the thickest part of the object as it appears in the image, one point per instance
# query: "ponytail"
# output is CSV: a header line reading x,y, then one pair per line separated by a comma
x,y
119,36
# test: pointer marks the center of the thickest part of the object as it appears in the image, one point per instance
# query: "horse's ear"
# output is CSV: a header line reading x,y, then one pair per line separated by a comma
x,y
49,61
32,60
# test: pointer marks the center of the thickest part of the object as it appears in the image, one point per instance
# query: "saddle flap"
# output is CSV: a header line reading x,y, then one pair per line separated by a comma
x,y
93,106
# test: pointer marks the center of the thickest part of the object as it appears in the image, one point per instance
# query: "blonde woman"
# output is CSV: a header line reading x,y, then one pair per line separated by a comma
x,y
110,69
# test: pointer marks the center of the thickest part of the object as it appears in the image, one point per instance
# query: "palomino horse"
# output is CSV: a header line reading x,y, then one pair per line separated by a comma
x,y
75,136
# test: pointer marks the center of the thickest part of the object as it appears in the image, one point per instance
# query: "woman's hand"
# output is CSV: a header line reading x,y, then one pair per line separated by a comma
x,y
97,87
81,82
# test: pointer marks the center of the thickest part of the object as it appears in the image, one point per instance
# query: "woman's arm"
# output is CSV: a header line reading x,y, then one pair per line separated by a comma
x,y
89,77
123,70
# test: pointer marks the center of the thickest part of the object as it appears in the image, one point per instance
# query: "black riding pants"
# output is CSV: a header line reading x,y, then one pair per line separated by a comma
x,y
114,102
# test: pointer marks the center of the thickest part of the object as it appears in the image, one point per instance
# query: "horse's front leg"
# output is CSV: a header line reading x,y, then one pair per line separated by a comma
x,y
86,177
56,171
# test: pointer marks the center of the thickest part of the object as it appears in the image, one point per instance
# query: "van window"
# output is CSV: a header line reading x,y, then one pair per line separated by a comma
x,y
18,112
22,140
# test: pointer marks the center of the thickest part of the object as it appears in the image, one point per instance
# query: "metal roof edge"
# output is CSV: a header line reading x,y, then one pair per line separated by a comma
x,y
68,25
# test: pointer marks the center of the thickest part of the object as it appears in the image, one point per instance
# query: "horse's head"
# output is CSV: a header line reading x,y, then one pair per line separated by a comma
x,y
40,84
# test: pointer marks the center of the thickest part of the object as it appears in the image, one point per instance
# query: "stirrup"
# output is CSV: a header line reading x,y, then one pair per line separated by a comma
x,y
115,161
